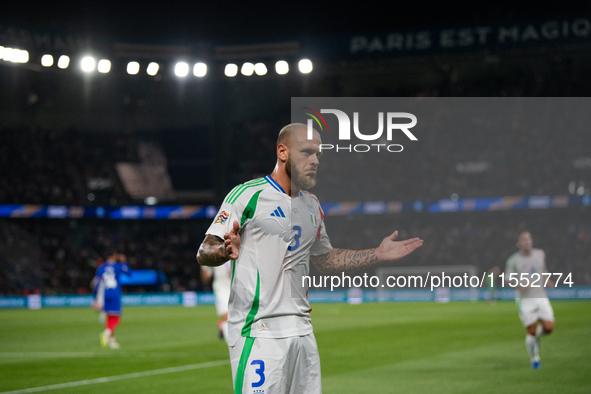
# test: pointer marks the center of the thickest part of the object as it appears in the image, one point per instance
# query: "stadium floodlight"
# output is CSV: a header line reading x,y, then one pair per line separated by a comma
x,y
151,200
22,57
47,60
247,69
10,54
87,64
15,55
133,68
282,67
231,70
181,69
152,69
63,62
200,69
104,66
6,53
260,69
305,66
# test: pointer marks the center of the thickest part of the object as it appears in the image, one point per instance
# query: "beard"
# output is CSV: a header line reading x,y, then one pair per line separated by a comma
x,y
301,181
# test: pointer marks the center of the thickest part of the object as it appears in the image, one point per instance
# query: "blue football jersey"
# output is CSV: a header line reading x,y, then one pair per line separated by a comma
x,y
108,275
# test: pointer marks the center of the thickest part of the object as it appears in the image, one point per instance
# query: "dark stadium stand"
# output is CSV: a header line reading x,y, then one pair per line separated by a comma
x,y
62,137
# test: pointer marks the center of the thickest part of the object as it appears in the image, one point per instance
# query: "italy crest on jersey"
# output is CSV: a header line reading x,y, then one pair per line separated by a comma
x,y
314,221
313,218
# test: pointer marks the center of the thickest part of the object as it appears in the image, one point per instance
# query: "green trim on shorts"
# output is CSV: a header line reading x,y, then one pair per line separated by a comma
x,y
248,343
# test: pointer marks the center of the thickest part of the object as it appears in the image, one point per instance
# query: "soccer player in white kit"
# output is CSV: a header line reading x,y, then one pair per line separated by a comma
x,y
532,301
271,229
222,281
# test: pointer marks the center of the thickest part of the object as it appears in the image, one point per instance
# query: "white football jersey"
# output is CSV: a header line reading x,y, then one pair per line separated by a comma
x,y
535,263
278,234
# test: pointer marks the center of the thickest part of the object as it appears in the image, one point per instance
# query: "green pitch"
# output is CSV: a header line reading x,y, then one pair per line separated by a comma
x,y
369,348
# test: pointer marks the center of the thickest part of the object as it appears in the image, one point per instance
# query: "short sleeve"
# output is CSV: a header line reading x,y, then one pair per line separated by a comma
x,y
322,243
544,266
509,266
228,213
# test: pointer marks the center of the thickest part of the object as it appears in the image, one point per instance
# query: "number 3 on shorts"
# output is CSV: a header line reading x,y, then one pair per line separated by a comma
x,y
260,371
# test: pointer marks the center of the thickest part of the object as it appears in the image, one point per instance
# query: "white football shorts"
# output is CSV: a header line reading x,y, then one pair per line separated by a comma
x,y
222,297
533,309
276,366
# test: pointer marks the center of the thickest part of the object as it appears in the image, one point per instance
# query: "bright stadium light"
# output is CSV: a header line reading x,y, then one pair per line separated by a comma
x,y
104,66
63,62
231,70
247,69
11,55
282,67
200,69
260,68
87,64
133,68
6,53
23,56
47,60
151,200
152,69
2,52
15,55
305,66
181,69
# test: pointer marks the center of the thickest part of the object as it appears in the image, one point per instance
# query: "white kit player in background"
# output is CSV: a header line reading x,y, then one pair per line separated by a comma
x,y
222,281
532,302
271,229
100,298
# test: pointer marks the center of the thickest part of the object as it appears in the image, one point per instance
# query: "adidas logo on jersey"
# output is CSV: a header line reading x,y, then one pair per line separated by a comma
x,y
278,213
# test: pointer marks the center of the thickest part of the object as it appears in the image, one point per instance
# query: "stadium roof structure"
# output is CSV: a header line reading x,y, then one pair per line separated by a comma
x,y
155,22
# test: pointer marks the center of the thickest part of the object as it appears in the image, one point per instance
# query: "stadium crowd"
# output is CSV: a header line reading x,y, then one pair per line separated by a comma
x,y
40,166
60,256
51,166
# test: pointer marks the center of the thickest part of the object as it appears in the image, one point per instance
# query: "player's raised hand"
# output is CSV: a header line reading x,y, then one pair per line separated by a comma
x,y
393,250
232,241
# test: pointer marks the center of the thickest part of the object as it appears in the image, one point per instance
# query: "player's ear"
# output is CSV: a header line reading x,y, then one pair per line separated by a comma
x,y
282,152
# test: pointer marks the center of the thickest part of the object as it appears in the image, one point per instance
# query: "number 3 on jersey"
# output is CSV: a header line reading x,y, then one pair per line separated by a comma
x,y
296,238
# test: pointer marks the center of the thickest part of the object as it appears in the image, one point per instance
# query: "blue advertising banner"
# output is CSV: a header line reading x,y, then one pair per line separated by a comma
x,y
340,295
140,277
330,209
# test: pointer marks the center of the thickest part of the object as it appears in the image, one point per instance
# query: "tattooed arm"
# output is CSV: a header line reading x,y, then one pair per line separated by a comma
x,y
215,251
349,260
345,260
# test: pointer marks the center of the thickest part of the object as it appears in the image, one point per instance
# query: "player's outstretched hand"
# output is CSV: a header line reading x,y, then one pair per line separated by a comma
x,y
393,250
232,241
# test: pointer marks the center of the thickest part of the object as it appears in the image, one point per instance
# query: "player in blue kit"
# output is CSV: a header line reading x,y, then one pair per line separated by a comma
x,y
108,283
